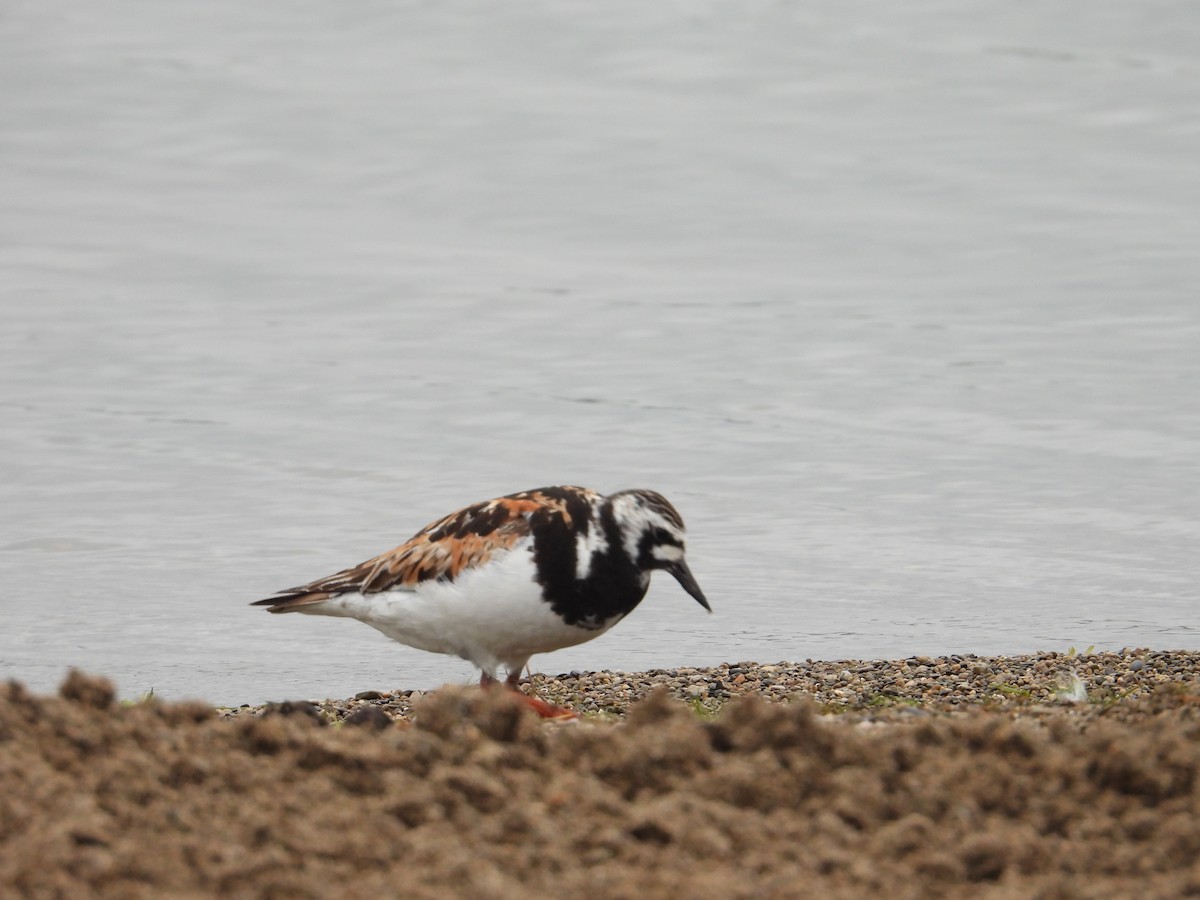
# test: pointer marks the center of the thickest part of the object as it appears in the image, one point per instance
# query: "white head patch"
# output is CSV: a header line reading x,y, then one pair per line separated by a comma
x,y
668,552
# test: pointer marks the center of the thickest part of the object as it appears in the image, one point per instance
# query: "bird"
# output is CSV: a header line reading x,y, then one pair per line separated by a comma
x,y
501,580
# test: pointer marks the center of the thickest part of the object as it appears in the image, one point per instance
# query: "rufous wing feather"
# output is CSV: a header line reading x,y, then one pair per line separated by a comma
x,y
441,550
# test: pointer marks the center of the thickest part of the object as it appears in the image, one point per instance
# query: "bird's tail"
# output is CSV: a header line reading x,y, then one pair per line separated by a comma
x,y
292,601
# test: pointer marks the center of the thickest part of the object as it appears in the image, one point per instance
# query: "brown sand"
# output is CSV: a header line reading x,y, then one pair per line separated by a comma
x,y
479,799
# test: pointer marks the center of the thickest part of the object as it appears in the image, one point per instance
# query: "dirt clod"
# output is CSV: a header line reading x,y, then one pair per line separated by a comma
x,y
480,798
370,717
97,693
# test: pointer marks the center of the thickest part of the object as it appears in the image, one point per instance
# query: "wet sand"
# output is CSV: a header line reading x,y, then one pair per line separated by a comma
x,y
1060,776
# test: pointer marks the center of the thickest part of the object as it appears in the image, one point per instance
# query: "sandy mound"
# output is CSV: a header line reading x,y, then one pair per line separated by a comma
x,y
478,798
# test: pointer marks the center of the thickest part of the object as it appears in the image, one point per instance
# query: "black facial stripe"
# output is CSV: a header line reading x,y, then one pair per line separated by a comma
x,y
651,538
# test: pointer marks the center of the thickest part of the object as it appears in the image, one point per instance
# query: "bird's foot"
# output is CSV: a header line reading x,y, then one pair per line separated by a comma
x,y
543,708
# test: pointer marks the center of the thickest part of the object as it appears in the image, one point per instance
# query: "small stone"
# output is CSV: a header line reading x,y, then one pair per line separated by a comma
x,y
368,695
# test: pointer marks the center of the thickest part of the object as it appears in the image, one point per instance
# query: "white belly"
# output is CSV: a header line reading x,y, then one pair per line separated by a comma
x,y
493,615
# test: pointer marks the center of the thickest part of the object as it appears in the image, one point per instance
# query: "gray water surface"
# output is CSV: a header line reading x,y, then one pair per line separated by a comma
x,y
897,303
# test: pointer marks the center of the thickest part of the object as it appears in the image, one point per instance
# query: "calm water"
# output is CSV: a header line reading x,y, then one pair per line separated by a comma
x,y
900,309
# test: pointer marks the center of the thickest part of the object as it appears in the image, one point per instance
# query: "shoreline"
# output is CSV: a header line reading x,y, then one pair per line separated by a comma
x,y
862,689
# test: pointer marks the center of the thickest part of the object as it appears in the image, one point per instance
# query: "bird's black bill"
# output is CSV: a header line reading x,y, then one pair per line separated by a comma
x,y
687,581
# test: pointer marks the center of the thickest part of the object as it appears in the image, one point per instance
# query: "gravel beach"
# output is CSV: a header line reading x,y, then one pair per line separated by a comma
x,y
870,689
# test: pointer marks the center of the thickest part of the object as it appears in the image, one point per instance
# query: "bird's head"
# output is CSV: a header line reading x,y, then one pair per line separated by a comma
x,y
653,536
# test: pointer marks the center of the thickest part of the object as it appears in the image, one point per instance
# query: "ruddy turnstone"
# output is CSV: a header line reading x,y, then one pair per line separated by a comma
x,y
499,581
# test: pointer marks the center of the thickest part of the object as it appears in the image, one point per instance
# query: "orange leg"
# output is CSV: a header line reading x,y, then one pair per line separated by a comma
x,y
537,704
